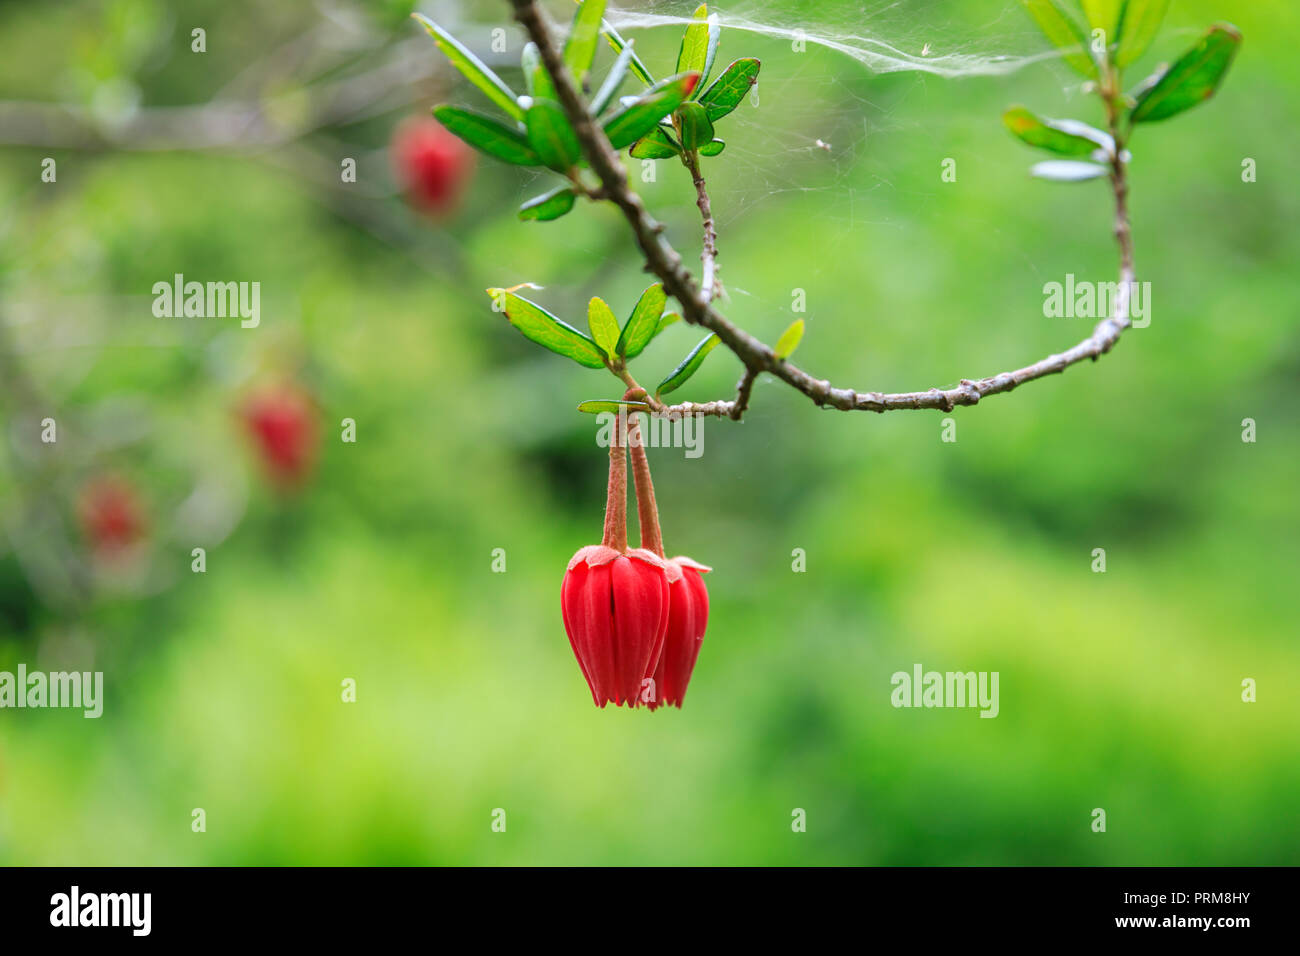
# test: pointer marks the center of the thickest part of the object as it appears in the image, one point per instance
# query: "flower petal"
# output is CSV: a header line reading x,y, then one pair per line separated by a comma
x,y
571,608
640,595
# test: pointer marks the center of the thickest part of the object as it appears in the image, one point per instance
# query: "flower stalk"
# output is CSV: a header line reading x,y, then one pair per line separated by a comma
x,y
615,534
646,509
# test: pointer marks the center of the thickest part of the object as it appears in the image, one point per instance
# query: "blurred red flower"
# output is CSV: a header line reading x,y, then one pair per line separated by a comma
x,y
432,165
110,514
282,422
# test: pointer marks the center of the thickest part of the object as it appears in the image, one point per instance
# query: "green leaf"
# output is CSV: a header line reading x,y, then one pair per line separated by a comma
x,y
693,127
580,48
619,45
694,52
551,205
489,135
713,148
1064,33
546,330
598,405
715,36
540,85
700,44
603,325
1192,79
1104,15
644,113
617,73
1067,171
730,88
551,136
473,68
668,319
1139,91
530,62
656,144
643,324
1142,19
789,340
1064,137
678,377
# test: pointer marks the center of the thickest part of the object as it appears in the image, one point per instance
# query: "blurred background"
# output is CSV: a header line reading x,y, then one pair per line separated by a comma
x,y
372,560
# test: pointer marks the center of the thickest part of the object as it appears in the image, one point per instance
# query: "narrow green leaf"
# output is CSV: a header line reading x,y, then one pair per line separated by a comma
x,y
715,36
530,62
489,135
643,114
1067,171
603,325
539,82
668,319
1140,90
543,85
1104,15
694,52
1064,137
730,88
617,74
689,365
1193,78
713,148
473,68
1064,32
551,136
1142,19
599,405
580,48
643,323
691,121
546,330
656,144
550,205
619,45
789,340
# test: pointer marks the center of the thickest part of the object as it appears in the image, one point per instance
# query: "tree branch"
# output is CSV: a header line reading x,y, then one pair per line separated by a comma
x,y
665,263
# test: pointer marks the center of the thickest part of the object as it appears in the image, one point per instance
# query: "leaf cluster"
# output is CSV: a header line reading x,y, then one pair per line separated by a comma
x,y
1100,39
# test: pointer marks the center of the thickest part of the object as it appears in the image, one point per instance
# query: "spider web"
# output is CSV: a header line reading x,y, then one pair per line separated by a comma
x,y
920,37
858,62
846,90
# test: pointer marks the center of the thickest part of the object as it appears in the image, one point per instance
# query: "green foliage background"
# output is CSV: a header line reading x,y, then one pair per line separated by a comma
x,y
1118,690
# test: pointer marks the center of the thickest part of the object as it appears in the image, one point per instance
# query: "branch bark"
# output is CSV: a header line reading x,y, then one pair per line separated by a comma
x,y
664,262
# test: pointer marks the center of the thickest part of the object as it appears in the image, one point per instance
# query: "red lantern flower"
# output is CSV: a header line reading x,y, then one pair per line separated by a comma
x,y
688,603
431,164
615,603
282,424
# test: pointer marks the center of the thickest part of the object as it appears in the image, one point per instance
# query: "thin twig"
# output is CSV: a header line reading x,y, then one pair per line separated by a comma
x,y
709,284
743,390
664,261
220,124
